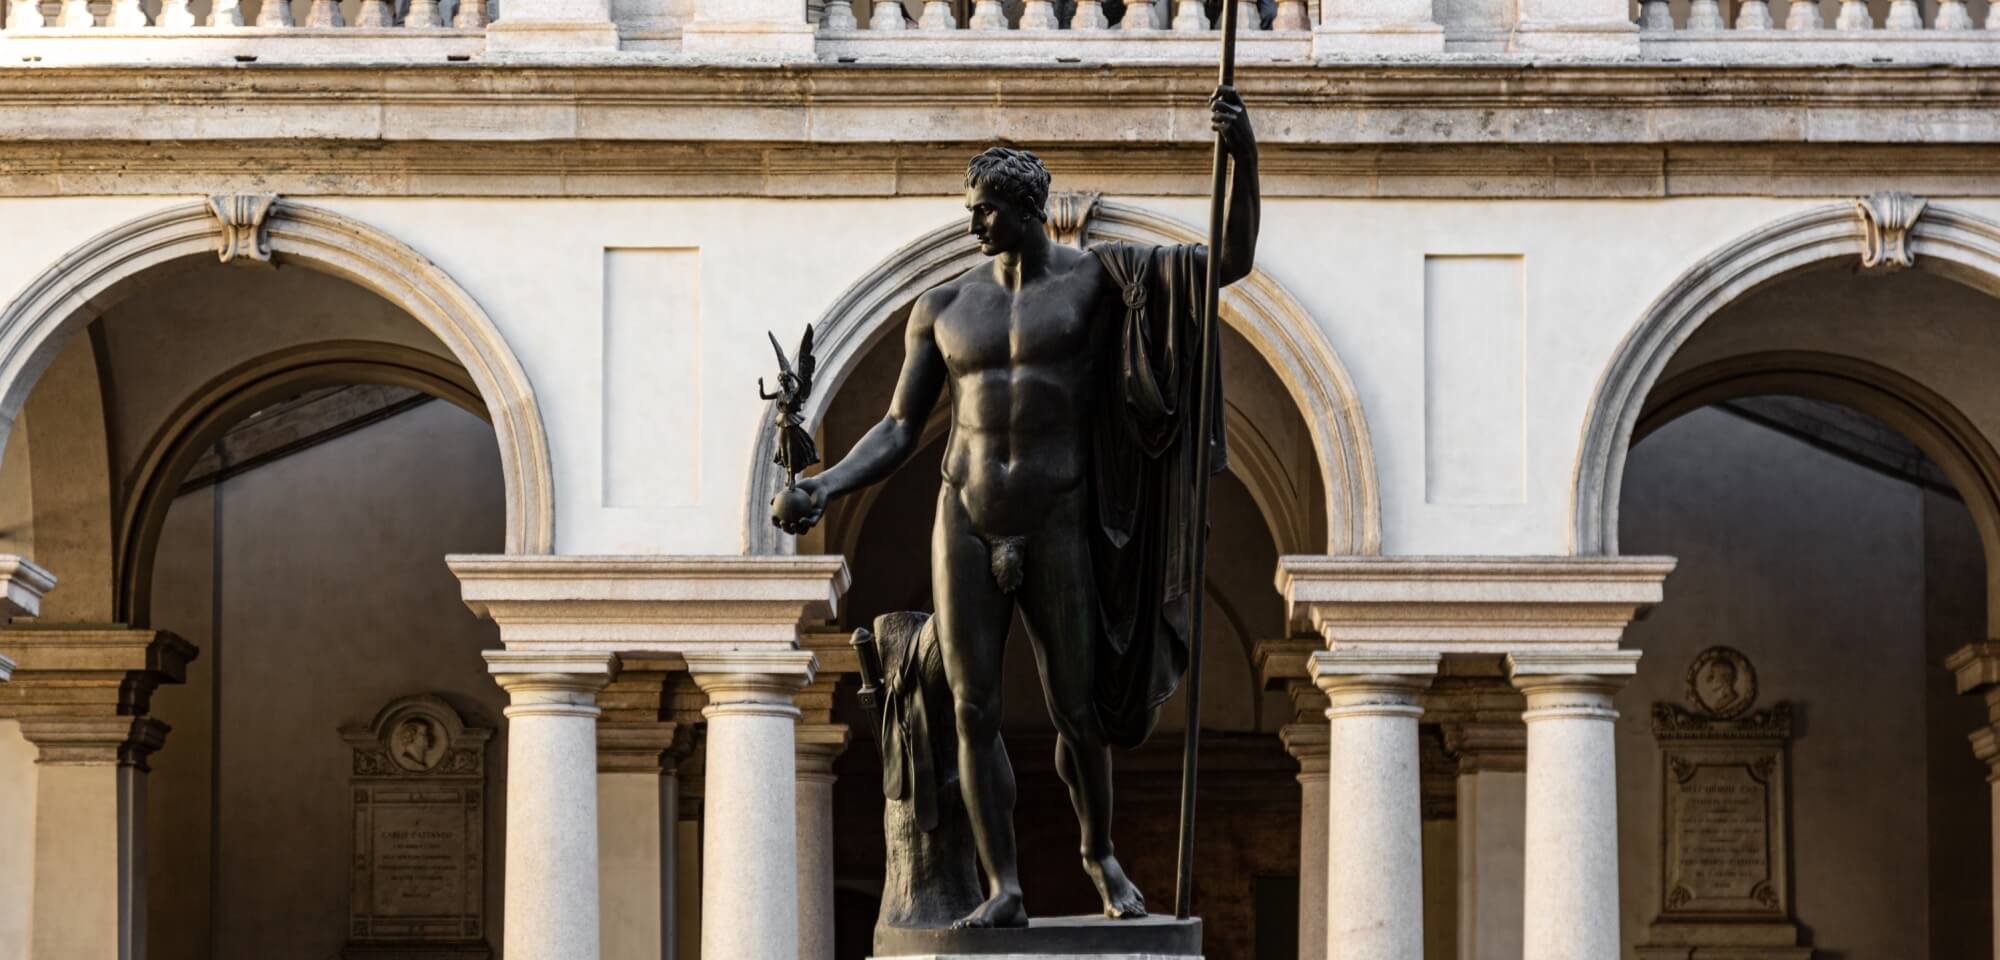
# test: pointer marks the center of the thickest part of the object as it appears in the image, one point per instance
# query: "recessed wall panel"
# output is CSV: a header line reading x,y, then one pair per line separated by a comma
x,y
1475,380
652,377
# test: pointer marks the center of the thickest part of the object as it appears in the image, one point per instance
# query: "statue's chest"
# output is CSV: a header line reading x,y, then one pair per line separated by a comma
x,y
994,329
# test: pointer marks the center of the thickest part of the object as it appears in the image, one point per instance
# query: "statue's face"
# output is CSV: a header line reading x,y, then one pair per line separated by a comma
x,y
998,220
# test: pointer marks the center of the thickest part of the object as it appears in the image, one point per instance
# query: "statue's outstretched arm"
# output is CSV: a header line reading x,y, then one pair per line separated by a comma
x,y
892,442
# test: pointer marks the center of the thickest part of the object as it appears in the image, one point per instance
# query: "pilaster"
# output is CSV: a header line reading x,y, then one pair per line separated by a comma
x,y
638,752
1479,716
1976,668
818,745
81,695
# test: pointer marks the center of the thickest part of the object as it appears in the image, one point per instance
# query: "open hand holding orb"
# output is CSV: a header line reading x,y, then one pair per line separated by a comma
x,y
796,510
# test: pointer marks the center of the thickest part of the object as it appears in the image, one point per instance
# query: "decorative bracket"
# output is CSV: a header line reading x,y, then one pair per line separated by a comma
x,y
243,217
1069,216
1886,221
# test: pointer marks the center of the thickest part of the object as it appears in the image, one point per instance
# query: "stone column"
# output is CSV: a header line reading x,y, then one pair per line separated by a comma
x,y
750,876
1306,742
1976,667
1374,887
81,696
819,745
1570,907
638,751
552,905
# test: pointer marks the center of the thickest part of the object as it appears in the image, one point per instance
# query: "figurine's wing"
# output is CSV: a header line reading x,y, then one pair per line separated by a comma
x,y
783,364
807,363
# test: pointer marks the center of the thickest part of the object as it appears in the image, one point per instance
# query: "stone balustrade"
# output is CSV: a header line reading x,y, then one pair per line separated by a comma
x,y
392,31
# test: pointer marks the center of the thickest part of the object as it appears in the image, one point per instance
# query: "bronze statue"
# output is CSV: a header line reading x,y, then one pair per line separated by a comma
x,y
1075,383
795,443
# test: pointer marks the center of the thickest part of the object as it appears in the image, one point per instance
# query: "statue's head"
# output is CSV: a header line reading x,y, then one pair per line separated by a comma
x,y
1007,192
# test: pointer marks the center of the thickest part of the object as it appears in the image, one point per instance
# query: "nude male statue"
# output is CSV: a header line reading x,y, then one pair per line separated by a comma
x,y
1037,506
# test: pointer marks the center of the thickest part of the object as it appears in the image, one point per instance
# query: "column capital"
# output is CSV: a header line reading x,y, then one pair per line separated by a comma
x,y
1573,685
752,682
94,741
88,672
639,746
1307,743
1470,604
1376,682
22,586
551,682
660,604
818,746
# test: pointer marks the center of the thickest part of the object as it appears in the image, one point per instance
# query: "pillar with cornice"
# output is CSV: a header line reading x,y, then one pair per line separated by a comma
x,y
1976,667
639,748
1479,714
1560,619
81,696
1287,665
733,622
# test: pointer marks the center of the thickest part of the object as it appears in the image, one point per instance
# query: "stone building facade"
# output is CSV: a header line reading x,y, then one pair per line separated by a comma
x,y
1566,313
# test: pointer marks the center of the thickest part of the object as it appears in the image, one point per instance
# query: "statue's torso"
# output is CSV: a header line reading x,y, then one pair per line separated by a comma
x,y
1023,367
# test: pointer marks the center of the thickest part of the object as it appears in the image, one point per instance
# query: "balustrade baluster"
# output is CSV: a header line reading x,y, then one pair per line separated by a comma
x,y
275,13
1039,15
1705,15
1854,15
471,15
1659,15
25,15
175,15
377,14
127,15
1804,15
1754,15
838,15
1952,15
225,13
424,15
1138,15
886,15
1089,15
1993,16
1190,18
1292,16
325,14
937,15
1904,15
76,15
1249,16
989,15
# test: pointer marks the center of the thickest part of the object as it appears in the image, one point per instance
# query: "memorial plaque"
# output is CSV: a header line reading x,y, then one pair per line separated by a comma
x,y
419,785
1725,889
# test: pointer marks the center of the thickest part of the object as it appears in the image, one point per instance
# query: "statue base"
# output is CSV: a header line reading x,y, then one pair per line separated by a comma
x,y
1048,938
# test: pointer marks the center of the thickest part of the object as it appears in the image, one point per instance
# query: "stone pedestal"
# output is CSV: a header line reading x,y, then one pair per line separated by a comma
x,y
1377,27
1068,938
553,26
750,876
1374,889
81,695
552,905
1570,907
1596,27
775,28
819,744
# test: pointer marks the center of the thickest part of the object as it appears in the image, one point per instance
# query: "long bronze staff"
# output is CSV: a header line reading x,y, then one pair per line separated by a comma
x,y
1198,560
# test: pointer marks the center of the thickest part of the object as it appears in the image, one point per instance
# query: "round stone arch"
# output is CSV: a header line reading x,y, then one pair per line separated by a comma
x,y
1949,242
87,280
1258,308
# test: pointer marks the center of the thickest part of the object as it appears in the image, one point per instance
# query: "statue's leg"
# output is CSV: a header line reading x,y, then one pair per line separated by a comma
x,y
1059,604
972,620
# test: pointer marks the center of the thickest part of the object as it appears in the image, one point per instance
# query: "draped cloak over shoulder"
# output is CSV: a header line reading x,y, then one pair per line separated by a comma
x,y
1142,474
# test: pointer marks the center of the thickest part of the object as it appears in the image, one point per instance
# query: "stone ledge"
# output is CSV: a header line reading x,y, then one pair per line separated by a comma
x,y
1470,604
660,604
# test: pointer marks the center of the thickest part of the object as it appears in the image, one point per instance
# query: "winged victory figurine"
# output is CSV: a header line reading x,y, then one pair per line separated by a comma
x,y
795,443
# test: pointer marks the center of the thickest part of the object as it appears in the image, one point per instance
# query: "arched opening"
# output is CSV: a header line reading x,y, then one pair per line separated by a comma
x,y
1300,481
1815,444
255,459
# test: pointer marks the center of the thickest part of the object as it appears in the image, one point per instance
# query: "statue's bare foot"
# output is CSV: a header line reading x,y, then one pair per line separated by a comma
x,y
1122,900
999,910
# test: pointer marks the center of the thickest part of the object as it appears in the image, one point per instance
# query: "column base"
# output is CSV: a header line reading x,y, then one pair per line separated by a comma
x,y
550,36
1350,37
1586,37
788,40
1068,938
